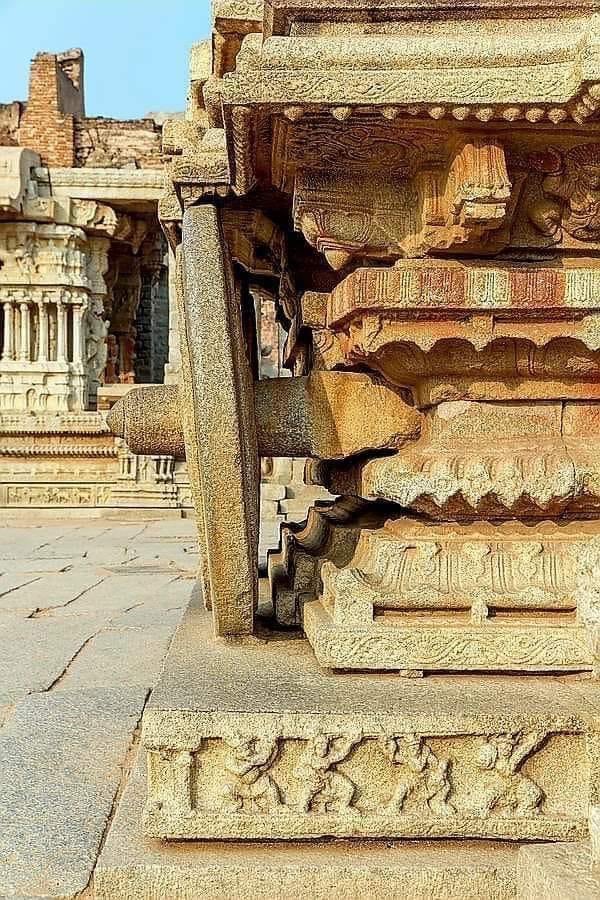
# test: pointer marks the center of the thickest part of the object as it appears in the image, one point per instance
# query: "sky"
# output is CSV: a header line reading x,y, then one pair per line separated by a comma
x,y
135,50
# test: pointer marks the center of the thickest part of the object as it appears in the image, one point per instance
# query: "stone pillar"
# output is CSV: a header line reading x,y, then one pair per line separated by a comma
x,y
61,332
8,348
78,333
43,332
25,332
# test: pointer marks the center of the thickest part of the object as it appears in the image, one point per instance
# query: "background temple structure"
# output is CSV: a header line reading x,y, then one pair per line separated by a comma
x,y
87,309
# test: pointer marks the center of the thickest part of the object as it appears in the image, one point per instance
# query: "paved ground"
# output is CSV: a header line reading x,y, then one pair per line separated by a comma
x,y
87,612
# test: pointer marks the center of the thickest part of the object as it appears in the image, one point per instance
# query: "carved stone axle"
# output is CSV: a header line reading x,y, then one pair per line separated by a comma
x,y
329,415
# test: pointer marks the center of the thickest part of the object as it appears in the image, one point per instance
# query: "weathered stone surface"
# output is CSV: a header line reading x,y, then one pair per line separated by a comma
x,y
87,667
219,428
415,190
557,870
595,837
50,591
253,740
116,593
132,867
123,656
31,543
330,415
34,653
61,766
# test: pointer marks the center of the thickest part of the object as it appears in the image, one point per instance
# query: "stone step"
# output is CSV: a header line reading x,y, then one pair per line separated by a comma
x,y
252,740
135,867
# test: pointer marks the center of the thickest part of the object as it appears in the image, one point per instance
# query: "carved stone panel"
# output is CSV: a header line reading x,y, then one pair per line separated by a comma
x,y
497,784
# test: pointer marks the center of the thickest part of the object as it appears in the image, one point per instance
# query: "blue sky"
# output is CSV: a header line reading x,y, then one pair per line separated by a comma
x,y
135,50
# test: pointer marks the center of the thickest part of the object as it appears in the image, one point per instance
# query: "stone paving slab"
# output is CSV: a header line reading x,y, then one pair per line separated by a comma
x,y
51,591
87,612
176,556
26,566
116,593
34,653
12,581
24,541
120,657
61,766
166,608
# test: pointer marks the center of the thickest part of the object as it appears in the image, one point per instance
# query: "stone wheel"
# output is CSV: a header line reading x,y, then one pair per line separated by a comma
x,y
218,417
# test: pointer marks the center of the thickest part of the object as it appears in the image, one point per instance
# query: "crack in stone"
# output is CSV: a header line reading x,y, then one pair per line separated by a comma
x,y
129,608
62,675
19,586
41,612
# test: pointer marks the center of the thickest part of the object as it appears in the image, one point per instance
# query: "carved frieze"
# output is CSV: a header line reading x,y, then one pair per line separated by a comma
x,y
247,786
378,784
424,784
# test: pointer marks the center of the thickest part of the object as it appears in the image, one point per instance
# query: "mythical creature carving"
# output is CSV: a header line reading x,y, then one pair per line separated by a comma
x,y
424,782
248,786
506,791
324,788
571,187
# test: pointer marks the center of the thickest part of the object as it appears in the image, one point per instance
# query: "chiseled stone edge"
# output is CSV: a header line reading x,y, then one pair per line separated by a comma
x,y
161,823
446,647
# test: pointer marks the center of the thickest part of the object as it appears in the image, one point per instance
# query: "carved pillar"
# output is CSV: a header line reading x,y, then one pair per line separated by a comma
x,y
24,347
77,333
61,332
43,332
8,348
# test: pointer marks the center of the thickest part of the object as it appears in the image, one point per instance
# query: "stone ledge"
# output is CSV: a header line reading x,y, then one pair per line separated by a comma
x,y
524,647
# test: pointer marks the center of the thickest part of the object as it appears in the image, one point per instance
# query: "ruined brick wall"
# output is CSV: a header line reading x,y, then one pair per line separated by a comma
x,y
54,124
48,123
10,120
115,143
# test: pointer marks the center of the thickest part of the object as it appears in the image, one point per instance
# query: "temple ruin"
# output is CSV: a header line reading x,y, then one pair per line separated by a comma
x,y
415,185
87,308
